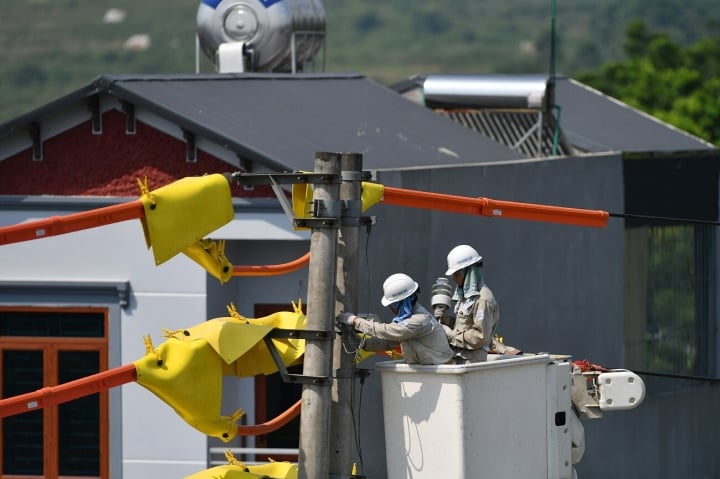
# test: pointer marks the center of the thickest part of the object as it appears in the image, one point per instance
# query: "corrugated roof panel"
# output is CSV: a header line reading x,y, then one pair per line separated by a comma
x,y
525,131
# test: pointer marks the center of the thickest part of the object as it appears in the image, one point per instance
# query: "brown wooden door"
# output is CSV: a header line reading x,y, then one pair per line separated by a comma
x,y
274,396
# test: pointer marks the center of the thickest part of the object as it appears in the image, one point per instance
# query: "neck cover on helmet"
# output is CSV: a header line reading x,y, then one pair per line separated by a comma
x,y
405,308
471,285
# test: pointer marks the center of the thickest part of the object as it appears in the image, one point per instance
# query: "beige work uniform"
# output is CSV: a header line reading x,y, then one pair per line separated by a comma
x,y
476,319
421,337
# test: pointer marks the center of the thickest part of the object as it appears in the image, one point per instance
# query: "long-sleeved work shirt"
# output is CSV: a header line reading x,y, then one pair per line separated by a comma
x,y
420,336
476,319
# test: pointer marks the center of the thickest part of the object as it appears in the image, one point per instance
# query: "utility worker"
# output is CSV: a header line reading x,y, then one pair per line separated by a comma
x,y
421,338
476,311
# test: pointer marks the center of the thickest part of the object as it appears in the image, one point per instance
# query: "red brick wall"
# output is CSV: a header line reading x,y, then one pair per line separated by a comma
x,y
76,162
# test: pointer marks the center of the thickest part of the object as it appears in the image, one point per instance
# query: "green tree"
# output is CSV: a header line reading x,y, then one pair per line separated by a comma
x,y
679,85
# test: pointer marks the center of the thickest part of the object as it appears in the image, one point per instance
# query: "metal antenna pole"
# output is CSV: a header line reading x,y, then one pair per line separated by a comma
x,y
313,460
342,430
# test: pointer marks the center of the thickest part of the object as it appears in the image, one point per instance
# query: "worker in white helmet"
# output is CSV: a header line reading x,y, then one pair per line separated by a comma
x,y
476,312
421,338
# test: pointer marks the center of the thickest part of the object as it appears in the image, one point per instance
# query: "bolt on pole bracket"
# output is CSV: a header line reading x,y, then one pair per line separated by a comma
x,y
296,334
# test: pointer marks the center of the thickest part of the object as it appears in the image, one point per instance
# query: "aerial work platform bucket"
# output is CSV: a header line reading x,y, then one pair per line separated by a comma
x,y
508,417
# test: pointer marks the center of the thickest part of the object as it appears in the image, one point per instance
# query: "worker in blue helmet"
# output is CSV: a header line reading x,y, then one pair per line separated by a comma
x,y
421,338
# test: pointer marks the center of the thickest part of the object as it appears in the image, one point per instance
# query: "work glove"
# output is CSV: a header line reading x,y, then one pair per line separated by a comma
x,y
346,319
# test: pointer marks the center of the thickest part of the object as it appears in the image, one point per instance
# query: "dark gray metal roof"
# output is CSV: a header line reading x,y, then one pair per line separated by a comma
x,y
282,120
594,122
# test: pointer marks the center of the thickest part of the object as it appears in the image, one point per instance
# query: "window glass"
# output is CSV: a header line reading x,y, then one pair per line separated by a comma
x,y
678,293
22,434
55,324
79,419
44,348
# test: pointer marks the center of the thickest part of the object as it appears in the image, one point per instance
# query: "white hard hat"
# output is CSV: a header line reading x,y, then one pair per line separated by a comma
x,y
397,287
461,257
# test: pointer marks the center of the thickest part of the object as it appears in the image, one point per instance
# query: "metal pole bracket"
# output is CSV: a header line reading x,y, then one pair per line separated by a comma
x,y
243,179
296,334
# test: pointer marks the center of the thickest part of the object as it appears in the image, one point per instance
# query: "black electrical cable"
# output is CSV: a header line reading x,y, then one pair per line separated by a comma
x,y
357,422
356,427
677,376
664,218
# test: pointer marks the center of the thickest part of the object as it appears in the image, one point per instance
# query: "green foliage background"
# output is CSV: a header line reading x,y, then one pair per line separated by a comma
x,y
51,47
677,84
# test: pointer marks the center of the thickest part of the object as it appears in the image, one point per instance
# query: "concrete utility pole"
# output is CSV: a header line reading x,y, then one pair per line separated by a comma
x,y
313,460
341,427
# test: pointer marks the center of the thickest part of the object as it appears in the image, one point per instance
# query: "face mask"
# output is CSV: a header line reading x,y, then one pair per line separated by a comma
x,y
404,309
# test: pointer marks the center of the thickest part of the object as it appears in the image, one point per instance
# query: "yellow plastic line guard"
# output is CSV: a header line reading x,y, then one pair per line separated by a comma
x,y
182,213
494,208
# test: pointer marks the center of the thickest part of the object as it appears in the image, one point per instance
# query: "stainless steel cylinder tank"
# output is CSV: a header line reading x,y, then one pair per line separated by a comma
x,y
274,32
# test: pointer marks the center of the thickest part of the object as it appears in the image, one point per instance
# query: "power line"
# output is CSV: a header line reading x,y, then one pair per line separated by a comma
x,y
664,218
678,376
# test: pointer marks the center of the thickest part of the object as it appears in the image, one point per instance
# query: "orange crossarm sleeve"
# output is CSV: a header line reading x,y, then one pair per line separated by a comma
x,y
274,424
58,225
494,208
62,393
272,269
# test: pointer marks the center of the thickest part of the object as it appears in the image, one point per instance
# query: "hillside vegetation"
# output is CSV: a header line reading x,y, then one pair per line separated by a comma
x,y
51,47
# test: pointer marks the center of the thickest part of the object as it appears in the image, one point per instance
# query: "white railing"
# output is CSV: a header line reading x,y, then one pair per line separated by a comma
x,y
247,454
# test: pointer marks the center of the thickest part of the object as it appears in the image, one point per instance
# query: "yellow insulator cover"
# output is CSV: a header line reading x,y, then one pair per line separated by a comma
x,y
187,376
180,214
211,256
240,341
258,359
273,470
227,471
230,338
186,370
372,193
276,470
302,198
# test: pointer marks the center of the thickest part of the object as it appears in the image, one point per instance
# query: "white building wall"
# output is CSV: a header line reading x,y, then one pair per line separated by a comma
x,y
156,442
153,440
